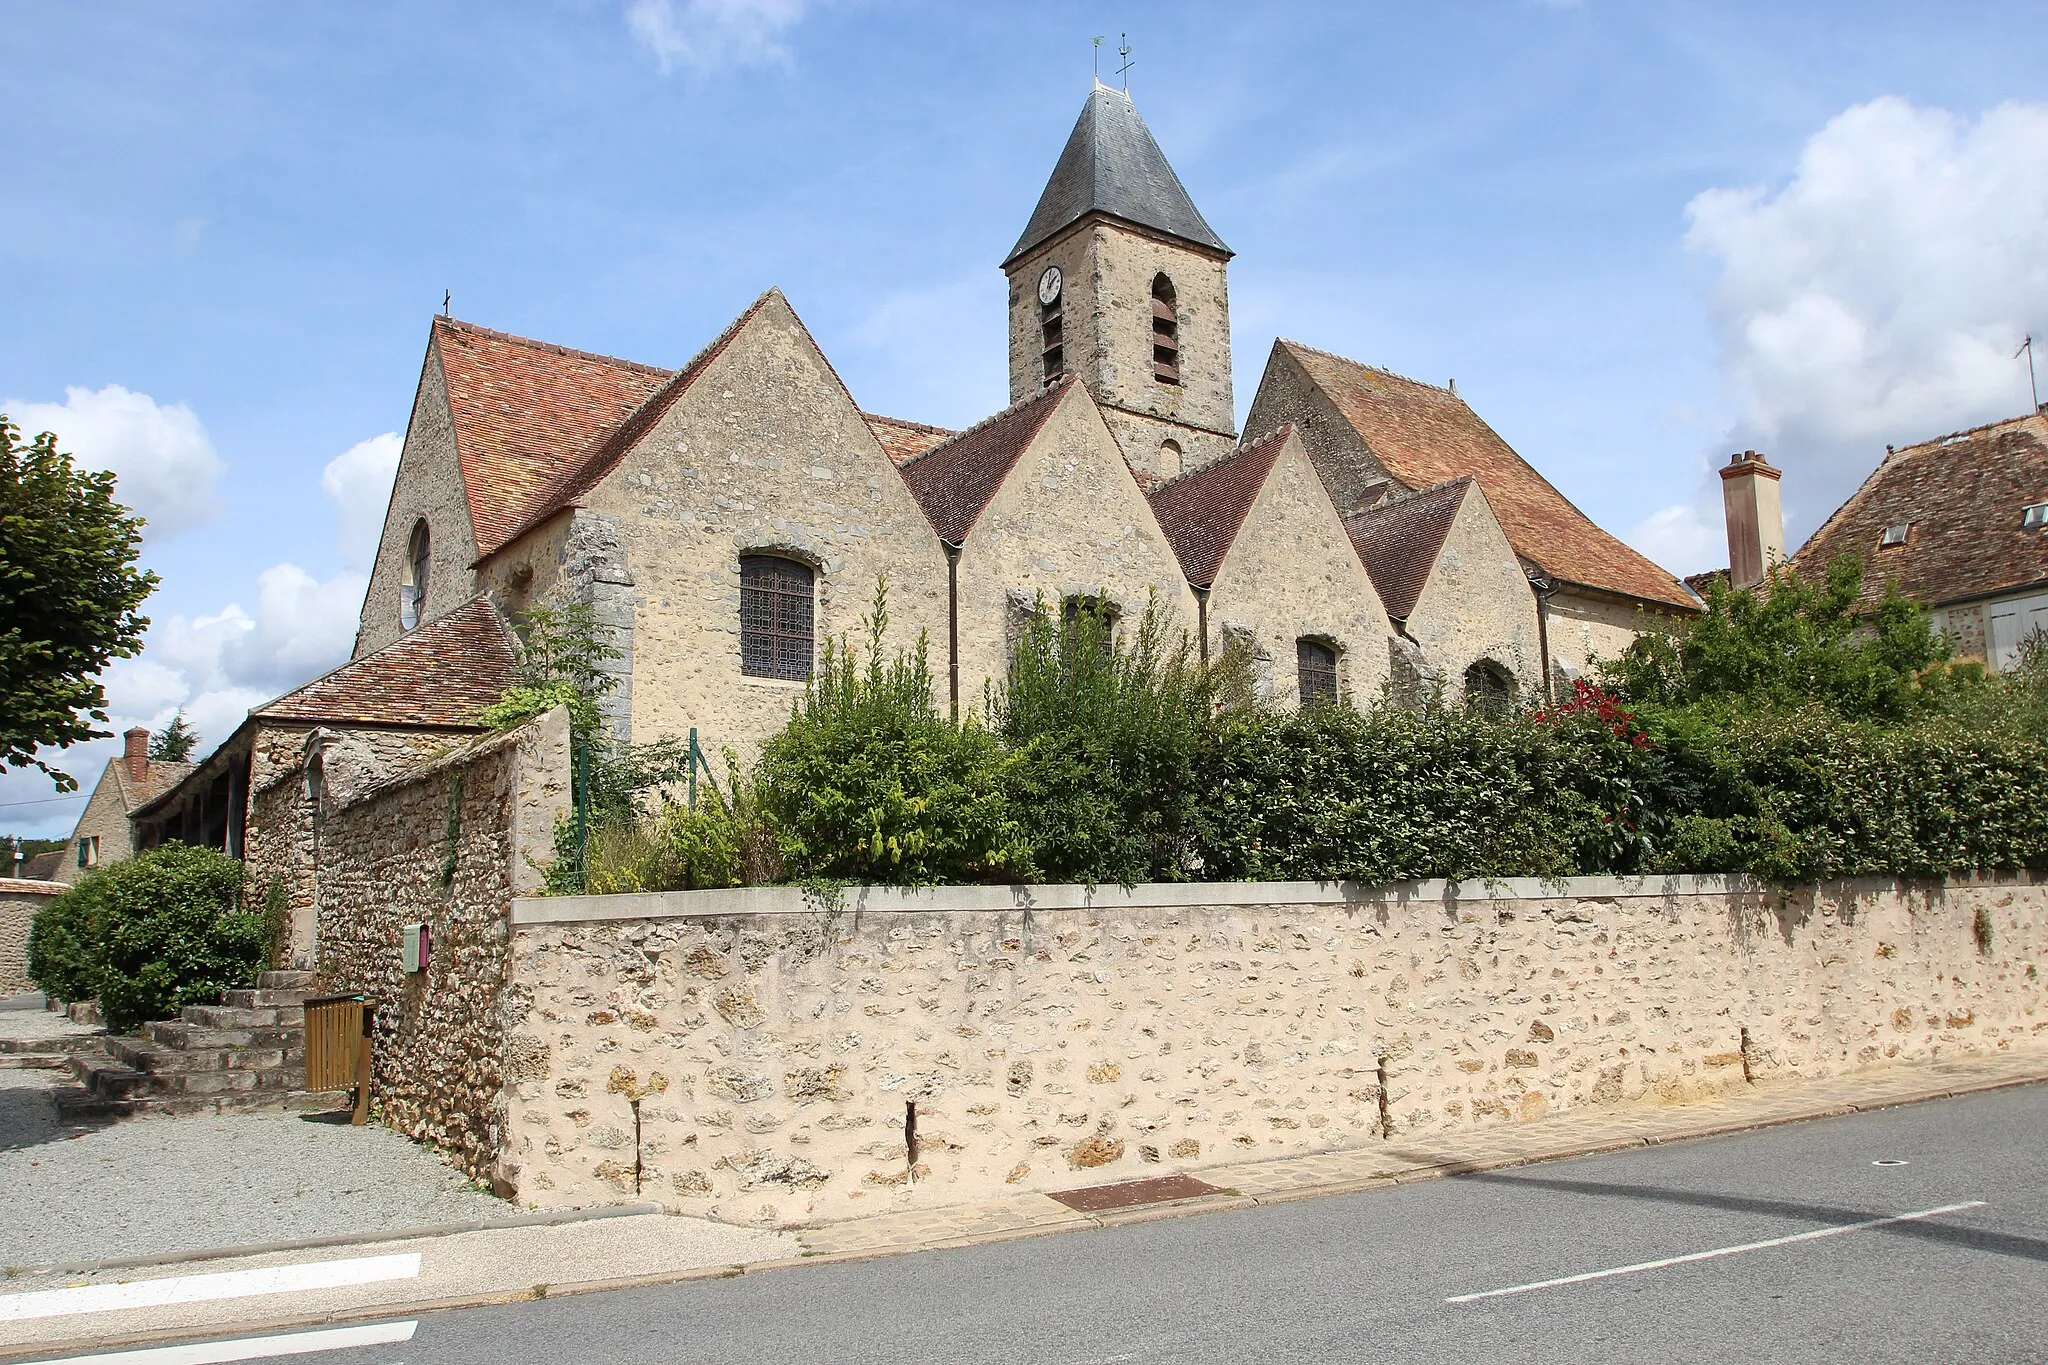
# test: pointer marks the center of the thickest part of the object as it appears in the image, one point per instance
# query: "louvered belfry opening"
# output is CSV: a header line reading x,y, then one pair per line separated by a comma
x,y
1052,338
1165,333
776,618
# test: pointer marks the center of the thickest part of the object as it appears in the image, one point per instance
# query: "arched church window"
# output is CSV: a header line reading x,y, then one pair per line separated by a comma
x,y
412,593
776,617
1088,619
1165,332
1489,689
1316,669
1171,462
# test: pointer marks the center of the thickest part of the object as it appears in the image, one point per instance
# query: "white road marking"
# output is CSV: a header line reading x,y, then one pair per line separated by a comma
x,y
254,1348
1814,1235
231,1284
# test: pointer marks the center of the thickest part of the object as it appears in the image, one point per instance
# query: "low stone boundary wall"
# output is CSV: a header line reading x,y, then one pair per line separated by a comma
x,y
20,900
793,1059
448,845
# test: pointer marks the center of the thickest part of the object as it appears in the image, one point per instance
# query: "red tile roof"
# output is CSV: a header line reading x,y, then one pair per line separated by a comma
x,y
43,867
521,408
1963,497
158,779
1399,541
1203,510
904,441
576,476
954,480
1426,436
441,675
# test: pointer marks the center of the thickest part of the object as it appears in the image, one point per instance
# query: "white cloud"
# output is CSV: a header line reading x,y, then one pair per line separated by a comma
x,y
163,459
707,34
218,665
358,483
1879,295
1682,538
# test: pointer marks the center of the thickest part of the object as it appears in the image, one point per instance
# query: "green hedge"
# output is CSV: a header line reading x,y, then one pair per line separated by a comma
x,y
1385,796
150,936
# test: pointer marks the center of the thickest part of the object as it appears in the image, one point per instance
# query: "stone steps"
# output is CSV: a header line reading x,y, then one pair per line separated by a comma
x,y
44,1054
249,1052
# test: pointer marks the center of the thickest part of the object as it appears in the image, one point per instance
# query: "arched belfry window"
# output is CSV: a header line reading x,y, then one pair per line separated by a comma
x,y
1489,689
776,617
412,594
1316,668
1052,333
1165,332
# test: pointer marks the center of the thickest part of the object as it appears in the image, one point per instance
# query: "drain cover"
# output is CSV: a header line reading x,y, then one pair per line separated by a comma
x,y
1888,1161
1163,1190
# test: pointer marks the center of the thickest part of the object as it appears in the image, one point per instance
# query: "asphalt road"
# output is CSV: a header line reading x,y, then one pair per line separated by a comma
x,y
1369,1277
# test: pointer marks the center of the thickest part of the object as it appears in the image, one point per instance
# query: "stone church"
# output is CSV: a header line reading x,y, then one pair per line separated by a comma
x,y
729,518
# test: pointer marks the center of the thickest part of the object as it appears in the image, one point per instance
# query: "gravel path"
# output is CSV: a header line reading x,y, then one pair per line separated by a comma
x,y
150,1186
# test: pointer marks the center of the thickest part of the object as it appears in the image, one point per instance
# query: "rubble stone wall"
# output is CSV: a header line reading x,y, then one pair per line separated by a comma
x,y
448,845
1049,1037
20,901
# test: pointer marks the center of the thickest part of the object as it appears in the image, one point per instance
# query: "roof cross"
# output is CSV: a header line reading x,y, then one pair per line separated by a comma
x,y
1124,52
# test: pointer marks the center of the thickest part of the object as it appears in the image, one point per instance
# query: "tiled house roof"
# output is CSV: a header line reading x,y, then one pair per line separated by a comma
x,y
1202,511
521,408
1399,541
1425,436
575,477
442,674
43,867
955,480
904,441
159,778
1961,498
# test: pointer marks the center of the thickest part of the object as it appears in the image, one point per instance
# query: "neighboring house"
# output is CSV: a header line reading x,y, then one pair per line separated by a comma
x,y
126,784
1960,523
43,867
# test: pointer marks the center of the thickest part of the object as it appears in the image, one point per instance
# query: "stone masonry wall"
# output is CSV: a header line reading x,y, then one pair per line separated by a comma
x,y
20,901
448,845
1477,604
1049,1038
1291,573
1584,630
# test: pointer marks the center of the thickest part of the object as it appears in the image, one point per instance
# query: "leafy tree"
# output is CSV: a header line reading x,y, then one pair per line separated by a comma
x,y
69,593
1795,641
175,742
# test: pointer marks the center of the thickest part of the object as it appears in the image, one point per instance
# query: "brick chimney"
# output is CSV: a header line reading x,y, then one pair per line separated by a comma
x,y
1756,519
136,754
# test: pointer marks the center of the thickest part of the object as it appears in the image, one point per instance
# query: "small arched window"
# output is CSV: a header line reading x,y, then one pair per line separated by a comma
x,y
776,617
1316,668
1165,333
1171,461
412,594
1489,689
1089,619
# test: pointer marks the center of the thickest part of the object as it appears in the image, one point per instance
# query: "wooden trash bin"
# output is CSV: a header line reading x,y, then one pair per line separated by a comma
x,y
338,1033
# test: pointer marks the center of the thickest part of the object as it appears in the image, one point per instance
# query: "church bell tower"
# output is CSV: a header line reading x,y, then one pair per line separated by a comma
x,y
1119,281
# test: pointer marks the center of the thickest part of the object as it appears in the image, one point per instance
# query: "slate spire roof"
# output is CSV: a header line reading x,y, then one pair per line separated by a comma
x,y
1111,165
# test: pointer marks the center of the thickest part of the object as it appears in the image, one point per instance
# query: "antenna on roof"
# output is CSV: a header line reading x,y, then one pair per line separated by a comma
x,y
1096,42
1125,53
447,299
2028,347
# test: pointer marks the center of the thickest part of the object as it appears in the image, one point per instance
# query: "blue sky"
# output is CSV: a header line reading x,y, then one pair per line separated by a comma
x,y
1638,235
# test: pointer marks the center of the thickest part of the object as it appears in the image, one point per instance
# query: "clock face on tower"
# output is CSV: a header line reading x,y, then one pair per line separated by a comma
x,y
1049,286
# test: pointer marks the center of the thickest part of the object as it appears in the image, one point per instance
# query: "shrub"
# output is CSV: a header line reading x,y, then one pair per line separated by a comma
x,y
727,840
1794,642
1109,737
159,932
869,783
62,961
